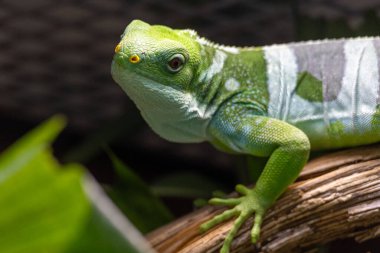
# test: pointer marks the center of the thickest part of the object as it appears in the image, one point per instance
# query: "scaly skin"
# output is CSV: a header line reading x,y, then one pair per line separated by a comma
x,y
277,102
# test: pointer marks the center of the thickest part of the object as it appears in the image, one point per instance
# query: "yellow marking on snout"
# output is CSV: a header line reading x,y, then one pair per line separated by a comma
x,y
118,48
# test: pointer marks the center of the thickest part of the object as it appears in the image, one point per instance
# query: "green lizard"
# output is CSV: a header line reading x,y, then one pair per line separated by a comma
x,y
277,101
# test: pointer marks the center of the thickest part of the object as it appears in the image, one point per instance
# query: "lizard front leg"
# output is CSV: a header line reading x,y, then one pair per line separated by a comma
x,y
288,150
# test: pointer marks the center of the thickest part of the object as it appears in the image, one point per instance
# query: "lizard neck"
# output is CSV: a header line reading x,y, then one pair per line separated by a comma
x,y
226,72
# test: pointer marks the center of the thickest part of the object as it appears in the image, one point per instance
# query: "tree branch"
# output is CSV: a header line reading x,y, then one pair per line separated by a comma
x,y
336,196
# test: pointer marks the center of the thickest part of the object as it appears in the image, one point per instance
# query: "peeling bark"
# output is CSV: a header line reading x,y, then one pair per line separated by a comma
x,y
336,196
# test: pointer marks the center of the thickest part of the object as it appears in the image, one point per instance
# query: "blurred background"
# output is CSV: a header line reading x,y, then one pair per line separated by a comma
x,y
55,57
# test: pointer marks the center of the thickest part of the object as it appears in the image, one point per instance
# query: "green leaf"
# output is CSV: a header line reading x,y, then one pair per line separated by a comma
x,y
25,149
135,199
46,207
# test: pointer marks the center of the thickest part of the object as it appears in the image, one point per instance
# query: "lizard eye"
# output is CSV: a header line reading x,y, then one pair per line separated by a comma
x,y
175,63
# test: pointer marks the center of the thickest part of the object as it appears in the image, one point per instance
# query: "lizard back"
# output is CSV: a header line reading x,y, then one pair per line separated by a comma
x,y
329,89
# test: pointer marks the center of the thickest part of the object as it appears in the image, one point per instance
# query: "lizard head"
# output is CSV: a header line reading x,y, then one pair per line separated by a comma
x,y
156,65
157,53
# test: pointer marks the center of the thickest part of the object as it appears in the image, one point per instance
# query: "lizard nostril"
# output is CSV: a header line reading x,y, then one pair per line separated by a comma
x,y
134,58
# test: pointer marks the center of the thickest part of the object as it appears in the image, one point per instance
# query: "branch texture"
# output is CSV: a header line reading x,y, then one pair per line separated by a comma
x,y
336,196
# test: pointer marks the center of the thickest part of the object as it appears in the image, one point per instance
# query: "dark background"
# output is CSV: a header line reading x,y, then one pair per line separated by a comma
x,y
55,58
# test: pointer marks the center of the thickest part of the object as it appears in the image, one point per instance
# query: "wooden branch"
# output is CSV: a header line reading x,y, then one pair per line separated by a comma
x,y
336,196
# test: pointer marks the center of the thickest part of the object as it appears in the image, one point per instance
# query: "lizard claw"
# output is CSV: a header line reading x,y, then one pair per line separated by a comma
x,y
218,219
243,207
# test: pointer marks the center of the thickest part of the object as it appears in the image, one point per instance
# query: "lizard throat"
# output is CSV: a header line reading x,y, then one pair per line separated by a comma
x,y
174,115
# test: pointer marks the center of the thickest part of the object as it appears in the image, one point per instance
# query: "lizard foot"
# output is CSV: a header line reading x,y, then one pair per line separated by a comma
x,y
243,207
